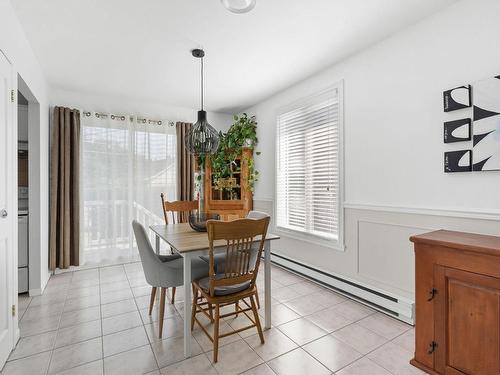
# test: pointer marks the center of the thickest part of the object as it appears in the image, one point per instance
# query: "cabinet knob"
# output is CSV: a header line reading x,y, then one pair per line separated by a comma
x,y
4,213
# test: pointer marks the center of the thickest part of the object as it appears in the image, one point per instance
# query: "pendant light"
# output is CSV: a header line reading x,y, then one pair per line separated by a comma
x,y
239,6
202,139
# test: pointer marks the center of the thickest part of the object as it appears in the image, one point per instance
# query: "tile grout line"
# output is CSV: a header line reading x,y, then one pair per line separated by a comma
x,y
205,353
58,329
327,334
140,316
58,324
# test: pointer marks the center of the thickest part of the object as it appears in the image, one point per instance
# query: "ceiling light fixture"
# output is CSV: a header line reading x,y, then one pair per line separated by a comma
x,y
202,139
239,6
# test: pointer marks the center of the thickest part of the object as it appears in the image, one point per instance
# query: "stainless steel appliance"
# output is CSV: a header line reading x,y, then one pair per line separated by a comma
x,y
23,241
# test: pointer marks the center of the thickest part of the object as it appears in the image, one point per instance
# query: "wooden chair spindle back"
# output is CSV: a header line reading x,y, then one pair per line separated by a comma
x,y
181,208
243,250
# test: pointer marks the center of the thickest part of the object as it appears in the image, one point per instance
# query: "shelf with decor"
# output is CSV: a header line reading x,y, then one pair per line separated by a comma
x,y
229,196
229,173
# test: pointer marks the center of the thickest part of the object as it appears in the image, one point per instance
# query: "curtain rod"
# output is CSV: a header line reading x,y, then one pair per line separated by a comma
x,y
141,120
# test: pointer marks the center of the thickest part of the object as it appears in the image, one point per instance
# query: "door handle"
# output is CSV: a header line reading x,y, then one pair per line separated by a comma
x,y
4,213
432,294
432,347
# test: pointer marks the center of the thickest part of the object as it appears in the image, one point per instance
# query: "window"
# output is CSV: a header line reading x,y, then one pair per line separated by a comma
x,y
308,192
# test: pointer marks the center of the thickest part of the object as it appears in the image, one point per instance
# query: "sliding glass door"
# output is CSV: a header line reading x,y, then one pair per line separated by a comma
x,y
125,166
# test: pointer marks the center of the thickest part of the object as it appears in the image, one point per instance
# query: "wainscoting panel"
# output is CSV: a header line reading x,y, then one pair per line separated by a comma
x,y
387,246
378,254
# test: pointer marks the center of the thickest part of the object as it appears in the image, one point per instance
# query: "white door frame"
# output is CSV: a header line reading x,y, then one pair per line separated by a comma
x,y
36,284
11,181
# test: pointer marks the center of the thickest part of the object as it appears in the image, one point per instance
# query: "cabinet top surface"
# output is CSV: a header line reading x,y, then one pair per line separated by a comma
x,y
460,240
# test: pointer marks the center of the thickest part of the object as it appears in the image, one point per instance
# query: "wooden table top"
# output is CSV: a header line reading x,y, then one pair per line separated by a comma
x,y
184,239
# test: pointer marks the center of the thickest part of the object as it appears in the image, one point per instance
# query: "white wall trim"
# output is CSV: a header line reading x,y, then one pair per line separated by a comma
x,y
331,244
17,335
459,213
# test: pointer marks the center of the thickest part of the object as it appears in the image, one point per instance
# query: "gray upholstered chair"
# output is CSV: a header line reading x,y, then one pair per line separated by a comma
x,y
163,271
256,215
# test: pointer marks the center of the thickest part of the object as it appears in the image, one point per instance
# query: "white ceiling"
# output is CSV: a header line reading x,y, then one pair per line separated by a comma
x,y
142,48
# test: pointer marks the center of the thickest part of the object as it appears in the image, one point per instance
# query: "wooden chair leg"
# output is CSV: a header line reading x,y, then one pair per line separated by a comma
x,y
216,333
173,294
257,320
236,308
152,299
194,306
211,312
257,298
163,291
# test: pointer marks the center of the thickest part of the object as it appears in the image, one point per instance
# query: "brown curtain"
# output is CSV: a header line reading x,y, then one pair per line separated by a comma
x,y
185,165
64,189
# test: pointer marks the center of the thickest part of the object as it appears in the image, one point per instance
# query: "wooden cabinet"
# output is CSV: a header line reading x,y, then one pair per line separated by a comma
x,y
234,201
457,303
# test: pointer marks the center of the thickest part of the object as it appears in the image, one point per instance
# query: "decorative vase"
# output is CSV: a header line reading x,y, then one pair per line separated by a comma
x,y
198,220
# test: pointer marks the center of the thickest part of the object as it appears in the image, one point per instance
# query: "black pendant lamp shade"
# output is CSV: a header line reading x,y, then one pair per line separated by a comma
x,y
202,139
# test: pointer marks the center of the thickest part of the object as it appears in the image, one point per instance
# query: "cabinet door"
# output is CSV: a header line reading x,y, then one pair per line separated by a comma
x,y
467,316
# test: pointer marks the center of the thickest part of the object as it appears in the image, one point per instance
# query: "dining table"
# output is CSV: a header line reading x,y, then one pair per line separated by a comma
x,y
190,244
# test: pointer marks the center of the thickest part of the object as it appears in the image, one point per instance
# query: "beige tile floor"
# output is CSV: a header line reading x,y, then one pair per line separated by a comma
x,y
96,322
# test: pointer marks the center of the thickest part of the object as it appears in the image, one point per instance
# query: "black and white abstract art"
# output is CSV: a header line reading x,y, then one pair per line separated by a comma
x,y
486,134
458,161
456,98
457,131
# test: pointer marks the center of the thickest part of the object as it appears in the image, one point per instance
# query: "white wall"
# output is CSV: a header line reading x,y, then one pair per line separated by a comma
x,y
136,106
394,117
14,44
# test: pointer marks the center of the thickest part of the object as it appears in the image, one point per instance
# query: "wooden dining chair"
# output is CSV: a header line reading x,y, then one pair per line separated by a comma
x,y
236,283
179,211
220,258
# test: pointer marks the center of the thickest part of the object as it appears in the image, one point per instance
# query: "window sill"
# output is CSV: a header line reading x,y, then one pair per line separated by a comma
x,y
331,244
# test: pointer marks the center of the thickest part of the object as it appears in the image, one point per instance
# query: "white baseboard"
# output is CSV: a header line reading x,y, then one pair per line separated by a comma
x,y
388,303
17,336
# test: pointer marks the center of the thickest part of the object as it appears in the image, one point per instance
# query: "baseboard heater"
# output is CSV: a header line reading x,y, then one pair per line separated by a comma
x,y
398,307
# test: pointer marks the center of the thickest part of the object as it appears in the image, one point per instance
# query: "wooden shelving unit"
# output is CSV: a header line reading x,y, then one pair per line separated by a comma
x,y
232,202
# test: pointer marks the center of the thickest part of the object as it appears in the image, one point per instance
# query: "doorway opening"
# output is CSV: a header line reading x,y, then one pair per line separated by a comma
x,y
22,195
30,199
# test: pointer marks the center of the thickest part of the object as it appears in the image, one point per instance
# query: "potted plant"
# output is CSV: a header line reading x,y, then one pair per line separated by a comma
x,y
242,133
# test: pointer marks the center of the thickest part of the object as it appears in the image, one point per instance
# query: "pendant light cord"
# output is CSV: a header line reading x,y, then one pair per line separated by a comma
x,y
202,83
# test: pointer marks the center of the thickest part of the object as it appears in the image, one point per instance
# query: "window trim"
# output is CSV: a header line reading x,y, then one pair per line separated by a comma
x,y
306,237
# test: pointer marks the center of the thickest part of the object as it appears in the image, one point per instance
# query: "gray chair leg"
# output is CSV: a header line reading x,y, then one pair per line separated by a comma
x,y
163,291
152,299
173,294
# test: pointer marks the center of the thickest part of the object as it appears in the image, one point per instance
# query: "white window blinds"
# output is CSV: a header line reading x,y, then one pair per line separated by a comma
x,y
308,182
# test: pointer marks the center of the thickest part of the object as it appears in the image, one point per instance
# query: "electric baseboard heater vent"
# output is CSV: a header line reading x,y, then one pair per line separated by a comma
x,y
398,307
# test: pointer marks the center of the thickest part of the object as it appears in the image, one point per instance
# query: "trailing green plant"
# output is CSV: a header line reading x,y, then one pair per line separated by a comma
x,y
242,133
253,174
